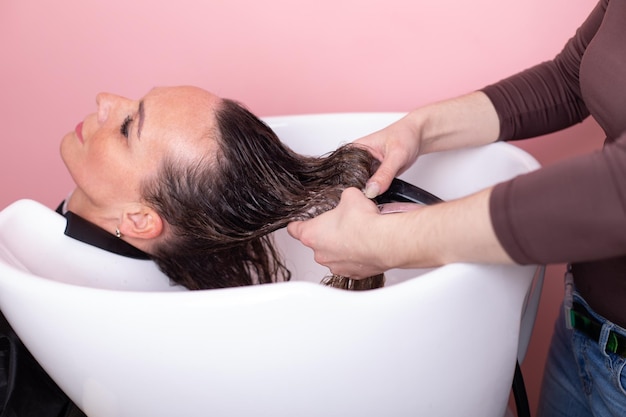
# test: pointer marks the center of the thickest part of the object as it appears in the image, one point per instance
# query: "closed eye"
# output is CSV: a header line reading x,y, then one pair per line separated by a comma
x,y
125,125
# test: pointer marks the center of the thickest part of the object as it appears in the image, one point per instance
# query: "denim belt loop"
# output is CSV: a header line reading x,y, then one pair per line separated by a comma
x,y
607,341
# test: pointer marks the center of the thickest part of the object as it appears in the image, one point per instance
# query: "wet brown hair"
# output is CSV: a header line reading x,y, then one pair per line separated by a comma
x,y
222,209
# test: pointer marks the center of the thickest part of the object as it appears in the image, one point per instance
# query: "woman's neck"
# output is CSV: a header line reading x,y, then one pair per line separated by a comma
x,y
77,202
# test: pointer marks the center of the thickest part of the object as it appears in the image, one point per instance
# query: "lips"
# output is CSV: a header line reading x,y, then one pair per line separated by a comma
x,y
79,132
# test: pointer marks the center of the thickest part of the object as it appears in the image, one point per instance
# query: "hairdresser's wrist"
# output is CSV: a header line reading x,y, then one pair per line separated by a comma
x,y
456,231
407,243
469,120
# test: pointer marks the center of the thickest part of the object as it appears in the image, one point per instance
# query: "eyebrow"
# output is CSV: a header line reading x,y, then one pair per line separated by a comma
x,y
142,115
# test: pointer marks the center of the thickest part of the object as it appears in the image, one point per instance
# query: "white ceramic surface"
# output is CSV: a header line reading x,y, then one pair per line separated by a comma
x,y
122,342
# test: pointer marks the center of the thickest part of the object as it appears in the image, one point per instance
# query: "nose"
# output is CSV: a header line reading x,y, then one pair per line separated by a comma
x,y
104,102
108,103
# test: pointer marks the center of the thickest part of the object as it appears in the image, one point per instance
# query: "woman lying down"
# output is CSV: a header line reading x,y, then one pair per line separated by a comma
x,y
197,183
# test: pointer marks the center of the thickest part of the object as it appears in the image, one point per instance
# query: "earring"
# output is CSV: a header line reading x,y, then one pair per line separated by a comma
x,y
118,233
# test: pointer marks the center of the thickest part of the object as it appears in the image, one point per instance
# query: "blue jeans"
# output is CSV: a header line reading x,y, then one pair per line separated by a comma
x,y
580,378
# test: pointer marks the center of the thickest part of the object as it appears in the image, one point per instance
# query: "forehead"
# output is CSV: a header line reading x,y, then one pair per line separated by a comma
x,y
182,116
181,101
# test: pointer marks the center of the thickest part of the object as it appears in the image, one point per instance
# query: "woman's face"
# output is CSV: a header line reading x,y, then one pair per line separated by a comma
x,y
111,152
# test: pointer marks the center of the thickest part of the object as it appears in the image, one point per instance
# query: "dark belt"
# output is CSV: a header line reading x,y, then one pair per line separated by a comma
x,y
591,327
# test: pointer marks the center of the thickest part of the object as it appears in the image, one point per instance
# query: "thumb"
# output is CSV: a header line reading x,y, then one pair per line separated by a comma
x,y
381,180
295,229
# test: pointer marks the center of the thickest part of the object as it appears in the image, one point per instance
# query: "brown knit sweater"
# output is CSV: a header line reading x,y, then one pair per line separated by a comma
x,y
575,210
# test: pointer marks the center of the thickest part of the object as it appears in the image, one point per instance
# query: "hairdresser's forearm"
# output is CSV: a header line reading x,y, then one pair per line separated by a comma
x,y
355,240
456,231
469,120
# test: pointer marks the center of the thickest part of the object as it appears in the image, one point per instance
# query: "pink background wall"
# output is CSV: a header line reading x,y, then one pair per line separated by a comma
x,y
278,57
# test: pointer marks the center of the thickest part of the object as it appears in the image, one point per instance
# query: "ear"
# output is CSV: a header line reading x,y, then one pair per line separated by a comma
x,y
141,222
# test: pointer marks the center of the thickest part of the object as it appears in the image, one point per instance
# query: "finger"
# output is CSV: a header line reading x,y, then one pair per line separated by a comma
x,y
295,229
351,196
354,202
386,172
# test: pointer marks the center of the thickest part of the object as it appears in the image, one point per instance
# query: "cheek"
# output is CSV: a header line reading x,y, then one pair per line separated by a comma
x,y
112,175
101,172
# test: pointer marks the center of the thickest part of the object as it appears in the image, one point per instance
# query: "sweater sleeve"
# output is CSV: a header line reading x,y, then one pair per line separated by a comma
x,y
571,211
546,97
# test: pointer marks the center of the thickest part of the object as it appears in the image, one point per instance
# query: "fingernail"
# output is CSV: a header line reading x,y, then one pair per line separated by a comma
x,y
372,189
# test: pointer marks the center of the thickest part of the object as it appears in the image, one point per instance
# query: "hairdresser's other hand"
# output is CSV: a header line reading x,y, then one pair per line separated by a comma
x,y
397,147
344,239
469,120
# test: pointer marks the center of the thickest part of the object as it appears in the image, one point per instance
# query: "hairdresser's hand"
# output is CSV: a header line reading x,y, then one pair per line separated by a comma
x,y
397,147
469,120
345,239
